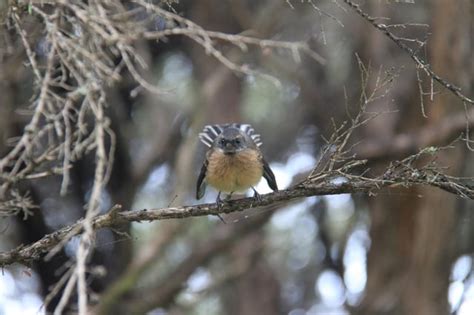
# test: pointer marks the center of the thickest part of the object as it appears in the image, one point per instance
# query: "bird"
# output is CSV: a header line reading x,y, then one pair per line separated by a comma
x,y
234,162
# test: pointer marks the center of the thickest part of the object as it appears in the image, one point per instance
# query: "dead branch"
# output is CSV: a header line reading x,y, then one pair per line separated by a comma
x,y
35,251
87,64
404,144
413,54
85,42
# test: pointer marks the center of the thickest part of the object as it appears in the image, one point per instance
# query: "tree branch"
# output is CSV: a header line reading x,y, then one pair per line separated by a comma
x,y
413,54
404,144
32,252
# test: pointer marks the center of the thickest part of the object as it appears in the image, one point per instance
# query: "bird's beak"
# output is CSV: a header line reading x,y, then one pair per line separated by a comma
x,y
229,148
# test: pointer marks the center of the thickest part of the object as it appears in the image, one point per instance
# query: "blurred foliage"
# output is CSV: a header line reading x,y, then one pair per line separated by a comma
x,y
310,256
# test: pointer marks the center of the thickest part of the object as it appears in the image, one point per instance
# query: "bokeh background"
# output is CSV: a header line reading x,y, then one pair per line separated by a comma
x,y
397,251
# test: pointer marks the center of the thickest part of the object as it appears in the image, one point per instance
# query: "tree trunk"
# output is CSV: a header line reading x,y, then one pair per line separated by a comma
x,y
413,230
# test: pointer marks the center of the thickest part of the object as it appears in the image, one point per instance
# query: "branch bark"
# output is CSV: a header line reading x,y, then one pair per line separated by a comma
x,y
32,252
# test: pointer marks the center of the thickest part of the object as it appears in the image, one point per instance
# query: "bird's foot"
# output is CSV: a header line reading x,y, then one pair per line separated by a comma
x,y
220,204
219,201
256,195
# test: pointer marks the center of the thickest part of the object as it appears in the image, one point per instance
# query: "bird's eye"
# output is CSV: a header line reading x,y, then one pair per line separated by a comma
x,y
238,141
222,142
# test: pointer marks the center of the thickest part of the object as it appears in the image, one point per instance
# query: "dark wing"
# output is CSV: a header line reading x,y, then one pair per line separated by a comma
x,y
269,176
201,184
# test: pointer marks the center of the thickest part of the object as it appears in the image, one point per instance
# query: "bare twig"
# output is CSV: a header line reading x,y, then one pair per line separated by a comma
x,y
418,61
83,43
66,294
87,239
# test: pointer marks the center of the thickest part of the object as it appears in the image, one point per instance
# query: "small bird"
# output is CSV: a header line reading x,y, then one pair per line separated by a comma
x,y
234,161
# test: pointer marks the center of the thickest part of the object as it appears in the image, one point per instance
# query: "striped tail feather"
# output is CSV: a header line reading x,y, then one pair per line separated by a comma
x,y
210,133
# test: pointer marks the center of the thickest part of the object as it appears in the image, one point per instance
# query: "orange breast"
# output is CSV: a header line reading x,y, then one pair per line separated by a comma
x,y
236,172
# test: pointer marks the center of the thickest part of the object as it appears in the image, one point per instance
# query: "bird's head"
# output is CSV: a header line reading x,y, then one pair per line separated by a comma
x,y
232,140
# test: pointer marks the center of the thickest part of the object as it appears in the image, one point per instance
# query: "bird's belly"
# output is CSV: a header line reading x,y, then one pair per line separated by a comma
x,y
234,173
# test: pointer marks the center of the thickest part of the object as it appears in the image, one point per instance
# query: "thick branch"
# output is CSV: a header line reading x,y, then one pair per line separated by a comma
x,y
29,253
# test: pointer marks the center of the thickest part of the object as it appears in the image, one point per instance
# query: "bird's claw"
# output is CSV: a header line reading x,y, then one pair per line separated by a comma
x,y
219,201
220,204
256,195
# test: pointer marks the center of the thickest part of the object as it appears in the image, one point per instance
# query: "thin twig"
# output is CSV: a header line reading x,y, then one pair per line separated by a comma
x,y
418,61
